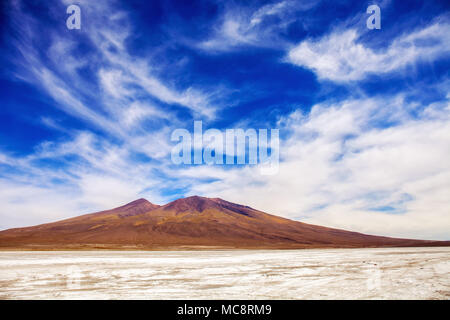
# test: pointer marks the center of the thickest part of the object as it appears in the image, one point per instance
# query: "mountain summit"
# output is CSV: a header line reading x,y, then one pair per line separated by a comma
x,y
192,222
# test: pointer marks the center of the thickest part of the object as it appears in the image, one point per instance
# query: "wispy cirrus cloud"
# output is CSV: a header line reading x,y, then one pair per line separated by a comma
x,y
340,57
247,26
122,76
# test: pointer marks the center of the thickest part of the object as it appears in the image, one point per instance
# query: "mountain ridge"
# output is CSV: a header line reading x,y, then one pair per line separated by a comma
x,y
192,222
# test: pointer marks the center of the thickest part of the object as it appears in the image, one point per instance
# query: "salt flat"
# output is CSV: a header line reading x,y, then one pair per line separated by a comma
x,y
393,273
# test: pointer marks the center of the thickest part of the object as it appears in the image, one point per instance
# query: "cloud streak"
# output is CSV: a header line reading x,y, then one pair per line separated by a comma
x,y
340,57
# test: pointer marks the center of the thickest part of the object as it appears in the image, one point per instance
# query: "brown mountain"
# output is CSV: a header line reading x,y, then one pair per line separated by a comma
x,y
193,222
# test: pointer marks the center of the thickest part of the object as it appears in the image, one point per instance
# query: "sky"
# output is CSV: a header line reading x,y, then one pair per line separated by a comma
x,y
86,115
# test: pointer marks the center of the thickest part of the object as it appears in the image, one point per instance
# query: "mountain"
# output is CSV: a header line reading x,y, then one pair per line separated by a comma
x,y
193,222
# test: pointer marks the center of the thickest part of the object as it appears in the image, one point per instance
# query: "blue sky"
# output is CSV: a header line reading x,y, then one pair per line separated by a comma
x,y
364,118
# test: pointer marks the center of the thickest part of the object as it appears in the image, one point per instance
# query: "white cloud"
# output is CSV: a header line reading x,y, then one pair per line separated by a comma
x,y
268,10
340,57
67,101
231,33
124,78
340,170
138,111
114,82
244,26
91,174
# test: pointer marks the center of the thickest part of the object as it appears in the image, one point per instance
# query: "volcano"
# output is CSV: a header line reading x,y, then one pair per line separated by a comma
x,y
189,223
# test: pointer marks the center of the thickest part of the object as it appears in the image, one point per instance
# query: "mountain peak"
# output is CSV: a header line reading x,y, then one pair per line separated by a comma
x,y
195,203
138,202
135,207
200,204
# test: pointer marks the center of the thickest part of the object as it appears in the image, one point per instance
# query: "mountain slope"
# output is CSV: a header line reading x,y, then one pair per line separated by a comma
x,y
189,222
